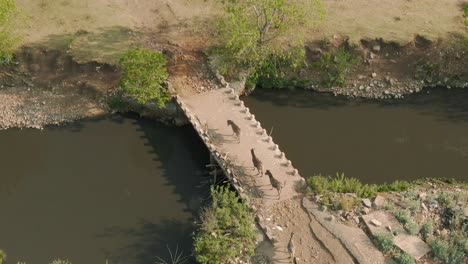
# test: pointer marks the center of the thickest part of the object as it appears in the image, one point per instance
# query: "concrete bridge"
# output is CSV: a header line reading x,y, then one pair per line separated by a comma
x,y
277,215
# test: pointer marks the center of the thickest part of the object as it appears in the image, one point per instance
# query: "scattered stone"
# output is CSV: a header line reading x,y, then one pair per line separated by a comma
x,y
376,47
387,92
424,207
422,196
361,88
379,201
411,245
356,219
366,202
374,75
385,218
465,211
376,222
368,89
365,211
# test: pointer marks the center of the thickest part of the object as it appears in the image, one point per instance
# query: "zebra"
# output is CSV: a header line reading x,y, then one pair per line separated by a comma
x,y
274,182
257,162
235,129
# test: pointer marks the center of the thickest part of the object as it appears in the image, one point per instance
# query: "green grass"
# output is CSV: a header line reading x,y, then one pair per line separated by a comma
x,y
404,258
384,241
412,228
341,184
335,66
404,216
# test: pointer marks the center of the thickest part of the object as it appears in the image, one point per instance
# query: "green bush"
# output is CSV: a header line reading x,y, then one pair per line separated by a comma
x,y
404,258
334,67
341,184
427,228
412,228
404,216
384,241
396,186
144,72
227,229
318,183
447,253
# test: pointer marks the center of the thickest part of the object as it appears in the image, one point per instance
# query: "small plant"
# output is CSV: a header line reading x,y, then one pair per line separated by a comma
x,y
144,72
3,257
384,241
318,183
439,248
60,261
336,66
404,258
396,186
404,216
465,13
412,228
176,257
427,228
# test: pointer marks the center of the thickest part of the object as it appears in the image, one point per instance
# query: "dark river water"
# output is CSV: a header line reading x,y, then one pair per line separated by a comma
x,y
423,135
125,189
117,188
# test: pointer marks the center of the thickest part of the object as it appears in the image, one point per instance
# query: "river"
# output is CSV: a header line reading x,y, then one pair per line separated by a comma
x,y
422,135
115,188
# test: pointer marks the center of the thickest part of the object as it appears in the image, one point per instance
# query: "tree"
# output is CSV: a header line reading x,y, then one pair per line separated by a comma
x,y
8,40
258,31
144,72
227,229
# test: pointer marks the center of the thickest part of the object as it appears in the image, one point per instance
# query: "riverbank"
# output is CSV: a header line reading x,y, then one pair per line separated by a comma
x,y
386,69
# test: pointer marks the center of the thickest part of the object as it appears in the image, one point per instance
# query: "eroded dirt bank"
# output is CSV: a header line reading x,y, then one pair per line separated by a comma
x,y
48,87
386,69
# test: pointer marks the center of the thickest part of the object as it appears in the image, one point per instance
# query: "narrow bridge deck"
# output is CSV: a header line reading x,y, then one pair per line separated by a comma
x,y
278,216
213,110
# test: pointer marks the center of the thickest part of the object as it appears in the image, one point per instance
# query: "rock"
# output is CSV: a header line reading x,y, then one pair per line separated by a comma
x,y
444,232
376,47
361,88
330,218
366,202
365,211
465,211
356,219
424,207
371,55
376,222
422,196
374,75
387,92
368,89
378,202
411,245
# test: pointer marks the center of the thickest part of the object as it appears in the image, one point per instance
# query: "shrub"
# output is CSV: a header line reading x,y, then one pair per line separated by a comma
x,y
439,248
427,228
412,228
318,183
396,186
404,216
404,258
384,241
336,66
227,229
144,72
